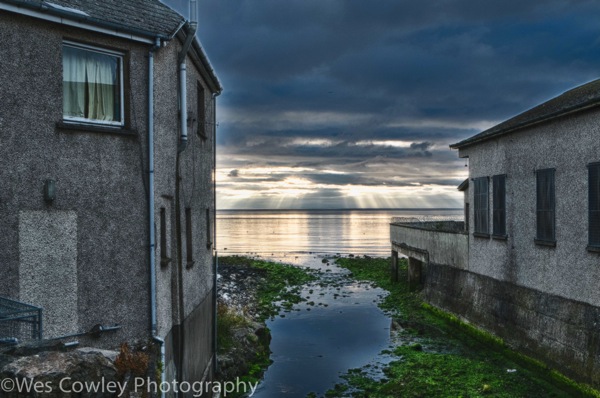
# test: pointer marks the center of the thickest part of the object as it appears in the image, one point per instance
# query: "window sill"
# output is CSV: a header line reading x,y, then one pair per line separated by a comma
x,y
500,237
593,249
481,235
91,128
549,243
165,261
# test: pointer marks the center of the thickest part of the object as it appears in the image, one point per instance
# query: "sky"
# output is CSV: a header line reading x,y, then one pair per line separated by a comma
x,y
353,104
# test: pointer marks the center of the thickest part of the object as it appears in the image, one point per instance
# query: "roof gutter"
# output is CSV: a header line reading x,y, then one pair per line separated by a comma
x,y
83,21
530,123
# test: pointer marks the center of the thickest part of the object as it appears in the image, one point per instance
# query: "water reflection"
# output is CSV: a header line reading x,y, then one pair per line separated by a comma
x,y
337,328
305,231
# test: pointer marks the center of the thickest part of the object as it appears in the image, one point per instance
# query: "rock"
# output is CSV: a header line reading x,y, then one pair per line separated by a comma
x,y
108,354
61,370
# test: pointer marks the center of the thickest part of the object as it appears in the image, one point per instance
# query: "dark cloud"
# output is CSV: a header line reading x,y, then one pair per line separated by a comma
x,y
352,72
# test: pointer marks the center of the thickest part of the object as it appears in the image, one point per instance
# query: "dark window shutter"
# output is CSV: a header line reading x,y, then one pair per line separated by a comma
x,y
499,205
594,204
545,206
481,205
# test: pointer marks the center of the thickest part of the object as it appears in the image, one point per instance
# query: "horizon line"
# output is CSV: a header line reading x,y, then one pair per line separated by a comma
x,y
354,209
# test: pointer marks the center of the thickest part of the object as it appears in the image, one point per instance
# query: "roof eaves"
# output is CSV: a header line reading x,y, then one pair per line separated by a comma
x,y
202,58
529,123
217,87
80,20
463,185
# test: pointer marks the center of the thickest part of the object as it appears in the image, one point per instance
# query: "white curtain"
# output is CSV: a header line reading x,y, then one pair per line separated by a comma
x,y
73,83
90,85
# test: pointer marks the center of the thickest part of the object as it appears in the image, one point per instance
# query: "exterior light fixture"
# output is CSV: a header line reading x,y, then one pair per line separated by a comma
x,y
49,190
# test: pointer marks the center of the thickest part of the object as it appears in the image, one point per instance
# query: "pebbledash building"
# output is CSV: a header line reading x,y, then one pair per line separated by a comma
x,y
107,162
526,264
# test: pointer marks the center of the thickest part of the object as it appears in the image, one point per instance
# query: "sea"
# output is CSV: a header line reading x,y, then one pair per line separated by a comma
x,y
288,233
338,326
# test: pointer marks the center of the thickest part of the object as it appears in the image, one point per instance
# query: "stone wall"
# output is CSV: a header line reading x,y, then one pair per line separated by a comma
x,y
563,333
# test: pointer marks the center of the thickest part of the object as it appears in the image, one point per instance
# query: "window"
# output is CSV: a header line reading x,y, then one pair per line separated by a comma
x,y
499,205
201,112
92,85
188,237
208,230
545,217
480,202
164,248
594,205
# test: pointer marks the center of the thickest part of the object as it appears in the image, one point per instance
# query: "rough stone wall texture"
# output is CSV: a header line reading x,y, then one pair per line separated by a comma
x,y
102,195
542,300
99,177
48,268
184,291
561,332
568,270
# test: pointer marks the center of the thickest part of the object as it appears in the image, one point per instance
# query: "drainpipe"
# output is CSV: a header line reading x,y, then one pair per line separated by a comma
x,y
190,32
152,245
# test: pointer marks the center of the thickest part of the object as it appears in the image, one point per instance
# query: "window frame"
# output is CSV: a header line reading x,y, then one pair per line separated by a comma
x,y
593,244
480,197
120,56
543,240
498,181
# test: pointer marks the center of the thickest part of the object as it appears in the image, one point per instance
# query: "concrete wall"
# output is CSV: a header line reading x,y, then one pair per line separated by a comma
x,y
100,206
429,245
563,333
543,300
567,270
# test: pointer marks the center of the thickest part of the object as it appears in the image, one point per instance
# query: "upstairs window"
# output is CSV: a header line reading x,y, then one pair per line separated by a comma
x,y
201,112
545,207
499,205
594,205
480,202
92,85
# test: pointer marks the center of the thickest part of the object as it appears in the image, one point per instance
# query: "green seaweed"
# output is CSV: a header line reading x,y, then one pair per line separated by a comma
x,y
452,358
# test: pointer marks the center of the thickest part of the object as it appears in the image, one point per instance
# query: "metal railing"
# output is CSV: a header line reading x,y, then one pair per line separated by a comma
x,y
19,321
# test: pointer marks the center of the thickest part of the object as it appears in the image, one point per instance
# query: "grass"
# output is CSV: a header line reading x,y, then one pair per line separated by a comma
x,y
450,358
227,322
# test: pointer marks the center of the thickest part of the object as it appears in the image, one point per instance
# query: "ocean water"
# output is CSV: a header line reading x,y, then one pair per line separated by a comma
x,y
285,233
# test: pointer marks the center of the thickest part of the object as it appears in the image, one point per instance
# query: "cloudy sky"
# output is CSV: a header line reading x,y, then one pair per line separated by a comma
x,y
352,104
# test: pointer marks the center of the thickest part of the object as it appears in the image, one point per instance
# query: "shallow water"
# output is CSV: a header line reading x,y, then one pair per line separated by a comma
x,y
337,328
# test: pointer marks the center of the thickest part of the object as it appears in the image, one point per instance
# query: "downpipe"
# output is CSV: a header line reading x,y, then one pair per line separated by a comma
x,y
152,236
183,135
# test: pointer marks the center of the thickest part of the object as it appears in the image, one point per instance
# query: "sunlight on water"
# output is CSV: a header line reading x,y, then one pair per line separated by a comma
x,y
275,232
